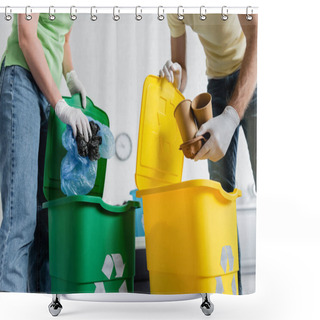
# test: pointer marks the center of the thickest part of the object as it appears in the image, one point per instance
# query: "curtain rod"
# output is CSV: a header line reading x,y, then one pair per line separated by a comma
x,y
130,10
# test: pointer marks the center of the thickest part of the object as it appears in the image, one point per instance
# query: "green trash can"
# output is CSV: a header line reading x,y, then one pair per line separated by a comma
x,y
91,243
55,151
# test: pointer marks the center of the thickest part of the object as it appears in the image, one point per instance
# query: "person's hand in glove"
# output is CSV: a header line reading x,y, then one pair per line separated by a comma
x,y
73,117
75,86
172,72
221,129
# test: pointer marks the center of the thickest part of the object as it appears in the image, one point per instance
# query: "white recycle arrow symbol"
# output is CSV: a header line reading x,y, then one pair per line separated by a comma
x,y
219,285
115,260
226,255
118,263
107,266
123,287
99,287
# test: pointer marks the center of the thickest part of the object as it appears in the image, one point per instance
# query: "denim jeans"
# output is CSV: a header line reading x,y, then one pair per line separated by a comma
x,y
224,170
24,113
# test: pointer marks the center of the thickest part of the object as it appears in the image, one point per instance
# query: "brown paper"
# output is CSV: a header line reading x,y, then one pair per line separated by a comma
x,y
202,108
185,120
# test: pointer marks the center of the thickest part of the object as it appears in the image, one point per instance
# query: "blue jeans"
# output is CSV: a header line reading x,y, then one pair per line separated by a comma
x,y
24,113
224,170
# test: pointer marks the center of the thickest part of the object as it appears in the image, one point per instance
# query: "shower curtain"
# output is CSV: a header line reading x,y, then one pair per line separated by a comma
x,y
118,62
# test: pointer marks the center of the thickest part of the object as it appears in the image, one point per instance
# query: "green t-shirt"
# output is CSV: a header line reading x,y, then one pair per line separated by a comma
x,y
52,37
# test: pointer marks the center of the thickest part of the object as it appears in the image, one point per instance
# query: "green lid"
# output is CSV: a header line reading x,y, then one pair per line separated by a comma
x,y
55,151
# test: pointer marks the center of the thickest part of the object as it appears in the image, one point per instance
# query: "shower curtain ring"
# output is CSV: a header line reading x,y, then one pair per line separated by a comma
x,y
52,17
160,16
249,17
179,14
224,13
7,16
116,17
73,15
138,16
28,15
203,13
93,17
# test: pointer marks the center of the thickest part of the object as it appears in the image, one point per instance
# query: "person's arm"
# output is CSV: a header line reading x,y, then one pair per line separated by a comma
x,y
175,69
178,54
33,52
73,82
222,127
67,64
247,79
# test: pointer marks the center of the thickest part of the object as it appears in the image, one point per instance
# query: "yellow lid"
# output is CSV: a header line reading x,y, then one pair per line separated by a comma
x,y
159,160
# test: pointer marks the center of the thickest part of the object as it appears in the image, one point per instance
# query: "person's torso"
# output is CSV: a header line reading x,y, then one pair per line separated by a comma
x,y
224,42
52,37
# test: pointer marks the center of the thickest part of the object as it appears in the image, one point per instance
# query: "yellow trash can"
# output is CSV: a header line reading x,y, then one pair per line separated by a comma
x,y
191,226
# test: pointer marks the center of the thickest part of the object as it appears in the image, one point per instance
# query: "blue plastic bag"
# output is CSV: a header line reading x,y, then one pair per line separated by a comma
x,y
107,148
78,174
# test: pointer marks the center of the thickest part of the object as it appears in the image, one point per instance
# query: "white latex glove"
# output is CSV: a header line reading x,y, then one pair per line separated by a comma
x,y
75,86
74,117
172,72
221,129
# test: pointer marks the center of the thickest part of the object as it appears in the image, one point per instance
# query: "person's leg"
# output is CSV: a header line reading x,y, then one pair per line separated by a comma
x,y
249,125
39,277
224,170
19,144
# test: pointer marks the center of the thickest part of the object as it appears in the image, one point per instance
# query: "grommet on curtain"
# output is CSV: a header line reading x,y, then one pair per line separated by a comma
x,y
203,13
7,16
138,16
179,14
160,16
224,13
28,15
73,15
52,17
116,17
93,17
249,17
